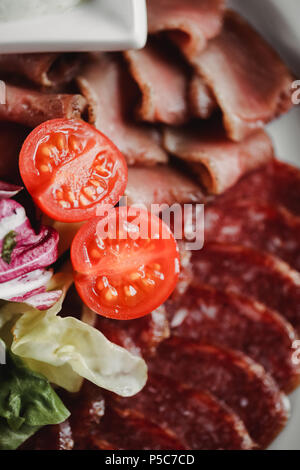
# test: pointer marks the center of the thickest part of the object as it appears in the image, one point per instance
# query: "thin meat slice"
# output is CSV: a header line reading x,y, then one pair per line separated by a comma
x,y
250,82
256,224
207,315
47,70
202,102
251,273
123,431
193,417
110,95
233,378
163,82
161,185
31,108
191,23
276,183
218,161
141,336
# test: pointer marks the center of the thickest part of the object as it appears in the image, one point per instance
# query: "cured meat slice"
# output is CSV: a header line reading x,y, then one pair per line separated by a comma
x,y
12,137
201,99
255,224
191,22
110,94
161,185
140,336
48,70
87,409
218,161
31,108
123,431
54,437
242,270
207,315
232,377
232,66
163,81
277,183
196,418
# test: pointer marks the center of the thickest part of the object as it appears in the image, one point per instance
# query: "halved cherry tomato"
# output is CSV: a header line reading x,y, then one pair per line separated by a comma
x,y
70,168
126,264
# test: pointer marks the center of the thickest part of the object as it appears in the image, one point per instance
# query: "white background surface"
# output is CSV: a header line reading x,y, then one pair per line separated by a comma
x,y
93,25
278,22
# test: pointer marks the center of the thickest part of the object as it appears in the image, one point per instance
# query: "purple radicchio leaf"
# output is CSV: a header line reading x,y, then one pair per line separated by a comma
x,y
31,251
8,190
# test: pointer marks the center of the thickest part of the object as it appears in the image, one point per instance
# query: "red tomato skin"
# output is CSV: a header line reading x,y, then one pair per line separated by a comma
x,y
31,176
85,285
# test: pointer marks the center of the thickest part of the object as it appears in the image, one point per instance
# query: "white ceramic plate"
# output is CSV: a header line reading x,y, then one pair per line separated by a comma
x,y
94,25
277,21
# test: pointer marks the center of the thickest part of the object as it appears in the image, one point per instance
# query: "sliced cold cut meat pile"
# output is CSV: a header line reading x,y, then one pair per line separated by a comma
x,y
242,270
207,315
103,82
231,65
197,419
230,376
259,225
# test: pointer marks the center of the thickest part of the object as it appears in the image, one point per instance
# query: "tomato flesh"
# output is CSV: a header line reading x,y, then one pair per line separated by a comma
x,y
69,168
125,276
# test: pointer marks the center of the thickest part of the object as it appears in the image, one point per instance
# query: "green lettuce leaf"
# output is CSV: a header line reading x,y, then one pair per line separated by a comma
x,y
27,402
66,350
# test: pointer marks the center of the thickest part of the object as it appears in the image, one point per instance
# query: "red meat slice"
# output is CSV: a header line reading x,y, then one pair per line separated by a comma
x,y
256,224
277,183
163,81
195,418
50,69
191,22
31,108
218,161
140,336
207,315
111,93
125,431
233,378
161,185
251,273
232,66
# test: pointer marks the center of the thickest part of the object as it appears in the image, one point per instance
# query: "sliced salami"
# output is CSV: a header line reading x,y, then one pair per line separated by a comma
x,y
207,315
196,418
242,270
256,224
140,336
120,430
277,183
233,378
54,437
